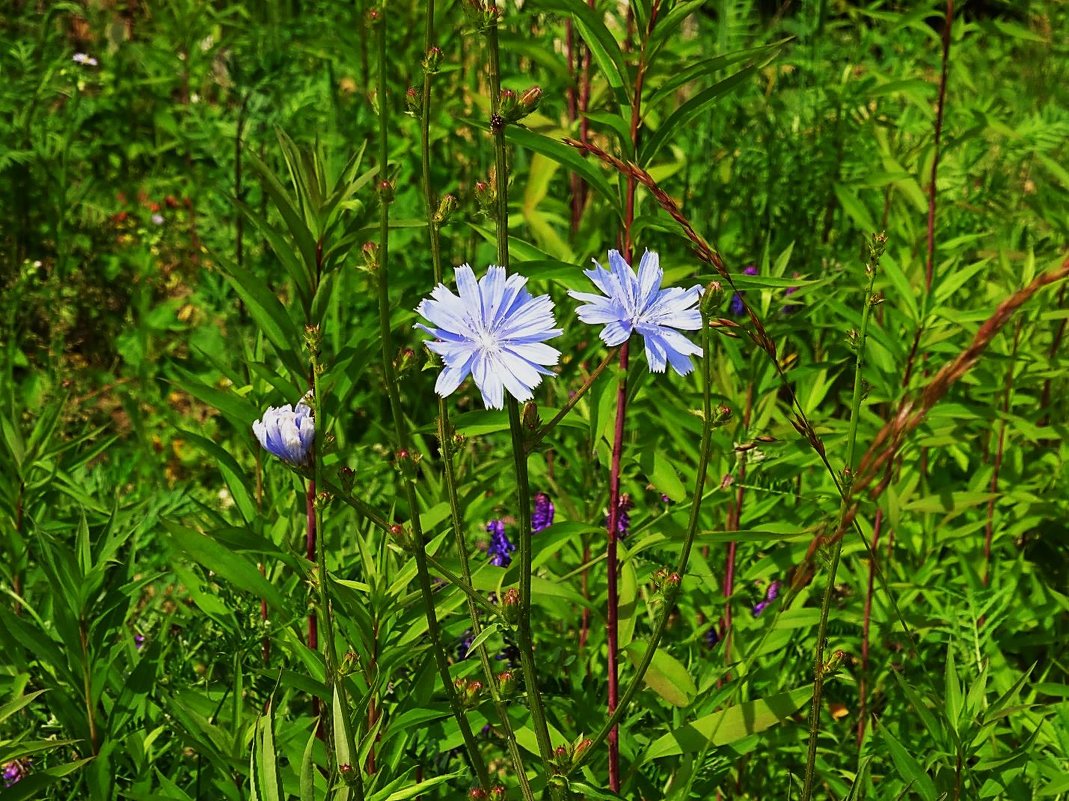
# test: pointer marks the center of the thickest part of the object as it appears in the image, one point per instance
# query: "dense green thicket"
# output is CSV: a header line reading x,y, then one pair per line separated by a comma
x,y
166,174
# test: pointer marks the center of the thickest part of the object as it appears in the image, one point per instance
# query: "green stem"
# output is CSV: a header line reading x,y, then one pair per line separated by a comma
x,y
519,446
474,599
709,423
825,606
330,651
400,427
577,396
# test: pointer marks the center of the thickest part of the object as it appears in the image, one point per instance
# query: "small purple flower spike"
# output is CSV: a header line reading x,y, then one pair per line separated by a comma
x,y
737,308
712,637
770,595
623,518
15,771
500,549
542,517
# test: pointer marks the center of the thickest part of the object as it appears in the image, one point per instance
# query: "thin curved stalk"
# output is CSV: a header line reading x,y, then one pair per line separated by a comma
x,y
519,446
330,652
709,423
829,590
400,424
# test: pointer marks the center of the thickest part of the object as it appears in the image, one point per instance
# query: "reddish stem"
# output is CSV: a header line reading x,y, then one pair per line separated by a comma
x,y
863,684
612,567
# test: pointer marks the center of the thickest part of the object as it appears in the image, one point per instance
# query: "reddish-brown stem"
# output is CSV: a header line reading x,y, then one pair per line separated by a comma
x,y
877,523
627,247
929,266
612,567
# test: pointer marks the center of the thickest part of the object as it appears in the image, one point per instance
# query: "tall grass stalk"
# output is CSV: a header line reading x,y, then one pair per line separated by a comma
x,y
519,442
819,668
404,454
445,440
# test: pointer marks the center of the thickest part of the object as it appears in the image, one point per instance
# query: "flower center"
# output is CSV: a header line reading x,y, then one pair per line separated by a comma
x,y
487,341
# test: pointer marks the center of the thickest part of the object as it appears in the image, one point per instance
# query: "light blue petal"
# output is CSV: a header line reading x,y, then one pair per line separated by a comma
x,y
534,352
517,376
656,354
650,276
488,382
452,377
616,333
492,291
468,288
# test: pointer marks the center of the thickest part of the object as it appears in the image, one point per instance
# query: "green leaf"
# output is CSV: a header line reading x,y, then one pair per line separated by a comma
x,y
730,725
236,479
666,675
628,601
232,567
308,768
908,767
855,209
661,473
683,115
268,313
568,157
11,707
603,46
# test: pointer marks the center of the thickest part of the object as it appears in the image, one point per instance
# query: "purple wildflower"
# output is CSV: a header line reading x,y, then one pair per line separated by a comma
x,y
543,512
500,549
84,59
623,516
139,641
737,308
791,308
464,646
15,771
712,637
770,595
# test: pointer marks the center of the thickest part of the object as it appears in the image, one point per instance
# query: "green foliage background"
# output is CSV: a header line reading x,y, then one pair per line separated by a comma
x,y
141,243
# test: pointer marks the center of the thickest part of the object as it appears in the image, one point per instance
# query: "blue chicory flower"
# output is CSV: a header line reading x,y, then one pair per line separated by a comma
x,y
637,303
737,308
287,432
542,516
464,646
500,548
495,331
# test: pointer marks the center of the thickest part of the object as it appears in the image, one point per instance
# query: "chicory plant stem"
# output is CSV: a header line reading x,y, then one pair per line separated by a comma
x,y
709,423
519,445
400,424
612,567
445,432
330,652
829,590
